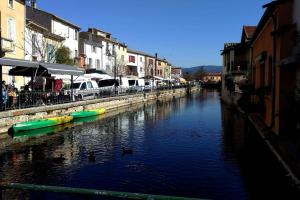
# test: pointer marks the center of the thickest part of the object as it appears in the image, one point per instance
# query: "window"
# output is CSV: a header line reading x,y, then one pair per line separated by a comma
x,y
90,62
83,86
141,69
76,35
98,63
150,61
131,82
89,84
159,63
76,53
11,29
132,59
94,49
10,3
270,72
34,44
50,53
141,59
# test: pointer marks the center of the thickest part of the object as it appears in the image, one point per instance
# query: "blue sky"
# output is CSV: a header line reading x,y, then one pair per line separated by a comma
x,y
186,32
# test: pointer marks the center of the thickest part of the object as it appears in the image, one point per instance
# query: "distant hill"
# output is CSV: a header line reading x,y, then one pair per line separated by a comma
x,y
208,68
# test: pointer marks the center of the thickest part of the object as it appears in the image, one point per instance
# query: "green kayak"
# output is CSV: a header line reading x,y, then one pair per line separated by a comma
x,y
88,113
41,131
42,123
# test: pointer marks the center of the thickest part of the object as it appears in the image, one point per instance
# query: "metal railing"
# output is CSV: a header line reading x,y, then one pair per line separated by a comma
x,y
28,99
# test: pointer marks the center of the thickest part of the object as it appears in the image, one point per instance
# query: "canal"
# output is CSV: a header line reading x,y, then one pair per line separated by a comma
x,y
192,146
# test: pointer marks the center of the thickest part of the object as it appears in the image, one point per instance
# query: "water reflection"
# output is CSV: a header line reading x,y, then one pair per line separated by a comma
x,y
190,146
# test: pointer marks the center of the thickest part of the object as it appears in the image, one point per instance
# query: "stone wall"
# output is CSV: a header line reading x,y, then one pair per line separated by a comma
x,y
8,118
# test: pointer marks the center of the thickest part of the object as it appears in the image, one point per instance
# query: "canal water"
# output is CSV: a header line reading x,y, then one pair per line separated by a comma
x,y
192,146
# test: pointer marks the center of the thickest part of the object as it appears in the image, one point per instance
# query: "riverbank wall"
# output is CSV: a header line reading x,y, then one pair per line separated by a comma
x,y
8,118
280,147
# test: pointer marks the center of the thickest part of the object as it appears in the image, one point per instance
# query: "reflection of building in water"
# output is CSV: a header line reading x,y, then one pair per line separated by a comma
x,y
234,132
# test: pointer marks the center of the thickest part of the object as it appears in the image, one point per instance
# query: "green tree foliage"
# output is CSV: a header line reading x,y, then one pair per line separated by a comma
x,y
63,56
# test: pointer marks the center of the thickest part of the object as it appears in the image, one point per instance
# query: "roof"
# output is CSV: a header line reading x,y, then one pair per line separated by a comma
x,y
99,30
270,7
42,15
44,30
249,31
232,46
140,53
213,74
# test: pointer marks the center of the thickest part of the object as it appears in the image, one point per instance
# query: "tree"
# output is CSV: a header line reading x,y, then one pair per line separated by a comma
x,y
188,76
199,74
38,45
63,56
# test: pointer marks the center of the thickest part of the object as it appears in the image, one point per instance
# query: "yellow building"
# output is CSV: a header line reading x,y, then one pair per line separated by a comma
x,y
162,66
213,77
12,24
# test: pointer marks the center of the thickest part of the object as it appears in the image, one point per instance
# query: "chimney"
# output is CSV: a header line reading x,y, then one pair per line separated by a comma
x,y
33,4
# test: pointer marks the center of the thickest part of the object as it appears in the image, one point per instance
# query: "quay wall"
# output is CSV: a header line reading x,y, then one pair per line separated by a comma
x,y
8,118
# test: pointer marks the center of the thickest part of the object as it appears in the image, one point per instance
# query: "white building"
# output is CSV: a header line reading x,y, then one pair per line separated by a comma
x,y
90,48
132,65
136,63
56,26
141,65
40,43
109,49
69,32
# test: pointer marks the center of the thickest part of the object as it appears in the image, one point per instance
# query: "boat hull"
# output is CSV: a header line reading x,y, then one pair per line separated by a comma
x,y
88,113
42,123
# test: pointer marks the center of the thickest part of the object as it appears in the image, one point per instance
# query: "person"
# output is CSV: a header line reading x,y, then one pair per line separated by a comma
x,y
4,94
12,96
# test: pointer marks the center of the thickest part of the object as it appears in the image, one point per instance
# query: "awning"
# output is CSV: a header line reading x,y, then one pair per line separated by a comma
x,y
29,68
62,69
17,63
159,78
97,76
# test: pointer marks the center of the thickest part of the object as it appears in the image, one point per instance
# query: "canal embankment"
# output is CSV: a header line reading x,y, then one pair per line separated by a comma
x,y
284,149
8,118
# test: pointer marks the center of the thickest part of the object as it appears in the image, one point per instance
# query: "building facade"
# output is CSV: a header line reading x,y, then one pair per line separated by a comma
x,y
57,26
213,77
122,59
12,24
237,66
176,72
40,43
90,50
132,65
275,66
149,65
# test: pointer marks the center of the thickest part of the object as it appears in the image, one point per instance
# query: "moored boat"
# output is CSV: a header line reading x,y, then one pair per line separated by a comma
x,y
88,113
41,123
